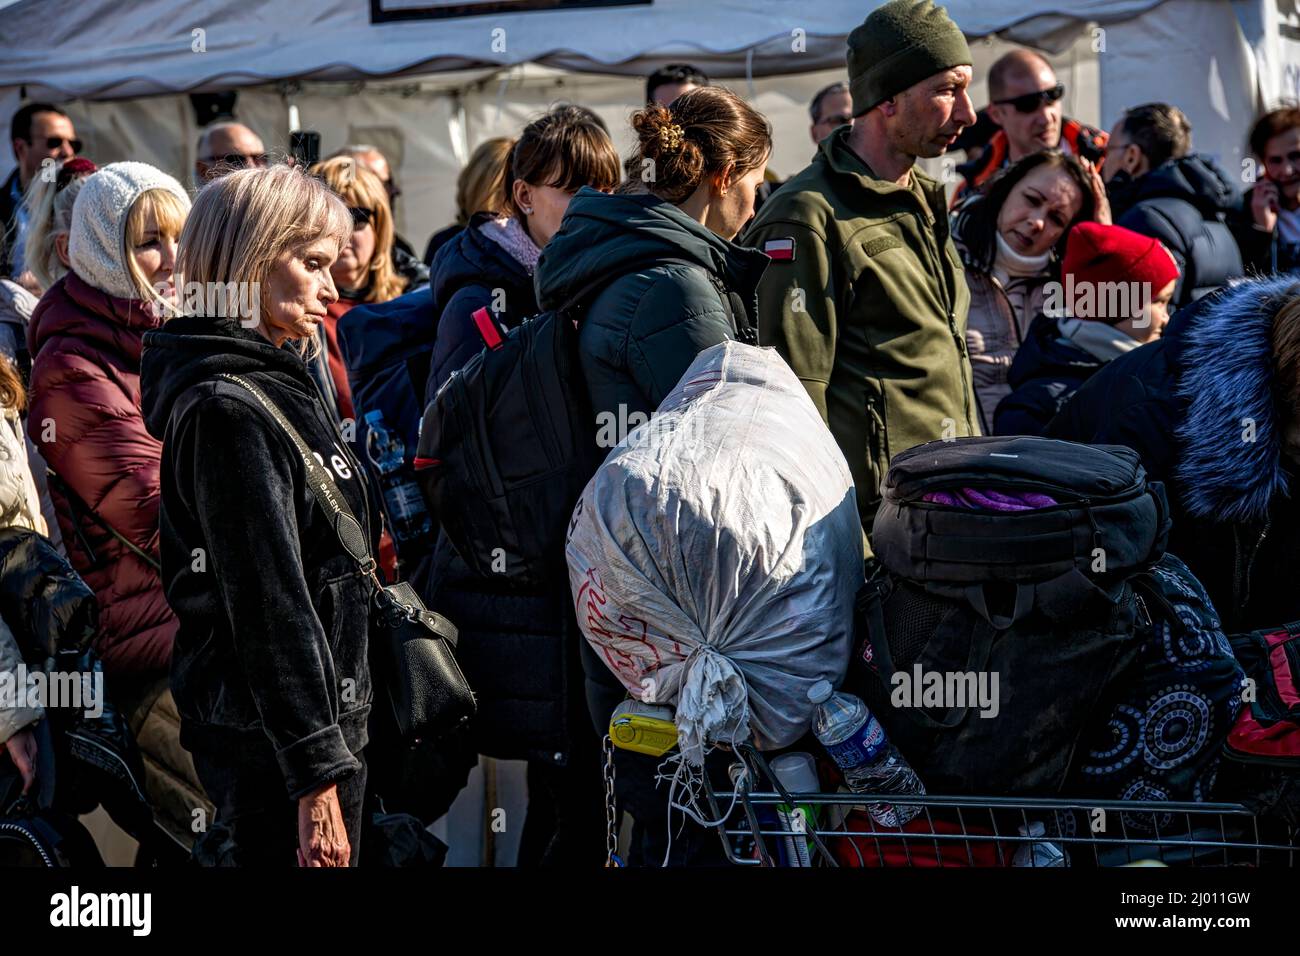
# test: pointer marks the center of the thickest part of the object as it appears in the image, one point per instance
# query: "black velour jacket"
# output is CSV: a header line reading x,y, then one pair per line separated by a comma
x,y
271,649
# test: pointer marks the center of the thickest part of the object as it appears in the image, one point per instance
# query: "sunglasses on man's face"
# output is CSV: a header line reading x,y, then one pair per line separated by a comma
x,y
1032,101
361,217
56,142
238,159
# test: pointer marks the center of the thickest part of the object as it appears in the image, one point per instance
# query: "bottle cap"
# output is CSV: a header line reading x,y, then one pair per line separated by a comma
x,y
820,691
374,416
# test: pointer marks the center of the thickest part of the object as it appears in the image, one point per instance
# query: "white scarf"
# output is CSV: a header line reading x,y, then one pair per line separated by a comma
x,y
1007,262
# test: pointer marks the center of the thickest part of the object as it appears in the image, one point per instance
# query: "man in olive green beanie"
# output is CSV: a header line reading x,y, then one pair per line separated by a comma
x,y
898,46
865,296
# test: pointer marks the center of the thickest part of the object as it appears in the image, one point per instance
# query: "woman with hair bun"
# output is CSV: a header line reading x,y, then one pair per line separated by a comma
x,y
678,283
666,282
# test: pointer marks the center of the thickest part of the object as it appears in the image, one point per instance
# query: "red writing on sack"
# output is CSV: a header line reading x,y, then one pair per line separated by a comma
x,y
625,645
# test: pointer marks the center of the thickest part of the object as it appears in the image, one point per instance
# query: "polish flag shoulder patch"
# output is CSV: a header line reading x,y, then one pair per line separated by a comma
x,y
780,249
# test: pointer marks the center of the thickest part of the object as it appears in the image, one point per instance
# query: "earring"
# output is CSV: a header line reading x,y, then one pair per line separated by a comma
x,y
528,210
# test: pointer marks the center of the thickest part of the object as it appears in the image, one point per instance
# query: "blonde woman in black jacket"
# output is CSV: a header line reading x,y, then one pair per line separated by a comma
x,y
270,670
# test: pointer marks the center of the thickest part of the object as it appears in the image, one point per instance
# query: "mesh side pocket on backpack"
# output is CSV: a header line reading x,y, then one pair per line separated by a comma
x,y
911,617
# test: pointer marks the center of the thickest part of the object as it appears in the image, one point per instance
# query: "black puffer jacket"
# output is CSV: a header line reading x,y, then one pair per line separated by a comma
x,y
271,650
663,303
51,615
1184,203
415,272
1203,418
43,601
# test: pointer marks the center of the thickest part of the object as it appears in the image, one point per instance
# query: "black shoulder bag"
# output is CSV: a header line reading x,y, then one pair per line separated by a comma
x,y
426,688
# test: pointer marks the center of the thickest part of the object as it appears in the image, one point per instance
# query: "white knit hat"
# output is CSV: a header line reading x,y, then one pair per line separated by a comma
x,y
97,241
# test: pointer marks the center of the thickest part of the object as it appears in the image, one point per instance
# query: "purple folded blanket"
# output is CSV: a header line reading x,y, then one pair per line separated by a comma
x,y
989,500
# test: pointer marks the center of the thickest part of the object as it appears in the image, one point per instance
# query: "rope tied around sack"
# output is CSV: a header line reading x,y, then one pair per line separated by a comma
x,y
712,705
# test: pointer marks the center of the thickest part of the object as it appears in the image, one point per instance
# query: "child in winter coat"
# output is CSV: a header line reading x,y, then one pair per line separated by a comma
x,y
1114,296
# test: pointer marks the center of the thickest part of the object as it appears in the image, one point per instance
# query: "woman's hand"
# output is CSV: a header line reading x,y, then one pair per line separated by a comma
x,y
322,837
22,751
1264,205
1101,202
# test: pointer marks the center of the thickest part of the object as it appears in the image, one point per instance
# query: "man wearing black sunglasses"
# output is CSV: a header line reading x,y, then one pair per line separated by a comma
x,y
38,131
226,147
1026,105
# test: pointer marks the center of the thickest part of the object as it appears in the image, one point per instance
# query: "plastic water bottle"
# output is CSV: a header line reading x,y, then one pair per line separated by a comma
x,y
402,498
871,764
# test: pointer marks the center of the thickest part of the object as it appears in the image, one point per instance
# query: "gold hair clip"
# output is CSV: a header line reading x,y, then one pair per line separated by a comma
x,y
671,137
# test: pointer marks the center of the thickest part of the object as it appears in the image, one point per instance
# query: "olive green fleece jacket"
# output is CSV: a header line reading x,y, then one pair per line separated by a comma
x,y
871,310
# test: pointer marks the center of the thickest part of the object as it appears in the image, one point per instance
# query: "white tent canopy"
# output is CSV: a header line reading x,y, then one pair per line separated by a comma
x,y
104,48
427,80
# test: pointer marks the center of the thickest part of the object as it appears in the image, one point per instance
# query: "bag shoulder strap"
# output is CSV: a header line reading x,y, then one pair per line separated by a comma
x,y
327,494
79,507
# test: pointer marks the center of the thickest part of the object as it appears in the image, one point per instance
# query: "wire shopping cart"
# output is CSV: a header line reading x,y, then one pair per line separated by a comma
x,y
770,826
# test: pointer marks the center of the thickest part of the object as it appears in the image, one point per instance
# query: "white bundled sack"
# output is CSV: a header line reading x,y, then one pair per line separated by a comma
x,y
715,556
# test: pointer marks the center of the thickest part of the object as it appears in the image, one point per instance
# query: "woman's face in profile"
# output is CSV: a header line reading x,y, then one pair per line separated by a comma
x,y
298,291
155,257
352,266
548,205
728,214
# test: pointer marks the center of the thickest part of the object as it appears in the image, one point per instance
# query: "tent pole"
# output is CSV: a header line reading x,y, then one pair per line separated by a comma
x,y
458,128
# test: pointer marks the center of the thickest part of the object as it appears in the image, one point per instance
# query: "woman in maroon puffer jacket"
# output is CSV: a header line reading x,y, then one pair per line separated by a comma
x,y
84,415
85,338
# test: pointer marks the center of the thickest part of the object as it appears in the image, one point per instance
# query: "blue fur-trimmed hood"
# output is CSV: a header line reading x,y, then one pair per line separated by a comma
x,y
1227,382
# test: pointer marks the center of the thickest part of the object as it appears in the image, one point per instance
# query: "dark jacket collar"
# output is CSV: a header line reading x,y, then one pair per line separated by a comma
x,y
1194,179
189,350
471,258
840,159
75,308
612,235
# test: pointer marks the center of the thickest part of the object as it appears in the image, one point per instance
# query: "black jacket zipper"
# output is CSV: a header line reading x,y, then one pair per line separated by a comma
x,y
1243,594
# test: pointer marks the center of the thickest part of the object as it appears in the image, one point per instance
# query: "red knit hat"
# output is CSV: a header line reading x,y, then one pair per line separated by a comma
x,y
1095,253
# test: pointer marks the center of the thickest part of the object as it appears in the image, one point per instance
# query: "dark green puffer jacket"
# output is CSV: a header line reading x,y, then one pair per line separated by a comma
x,y
641,332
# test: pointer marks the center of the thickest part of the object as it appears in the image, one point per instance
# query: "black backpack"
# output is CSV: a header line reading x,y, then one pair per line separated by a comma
x,y
1044,599
507,445
509,441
